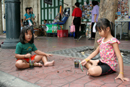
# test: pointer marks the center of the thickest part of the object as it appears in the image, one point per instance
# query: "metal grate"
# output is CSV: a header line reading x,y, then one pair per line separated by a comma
x,y
77,53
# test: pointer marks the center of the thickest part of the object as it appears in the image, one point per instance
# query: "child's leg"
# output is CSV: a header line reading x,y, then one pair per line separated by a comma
x,y
91,63
95,71
94,62
44,60
22,64
88,65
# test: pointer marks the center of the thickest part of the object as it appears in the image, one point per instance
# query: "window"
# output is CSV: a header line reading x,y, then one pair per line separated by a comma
x,y
49,12
87,1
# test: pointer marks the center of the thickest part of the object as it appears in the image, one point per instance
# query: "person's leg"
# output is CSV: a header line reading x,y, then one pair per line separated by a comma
x,y
38,58
78,25
93,37
77,31
23,64
91,30
75,24
94,62
93,34
91,63
88,65
95,71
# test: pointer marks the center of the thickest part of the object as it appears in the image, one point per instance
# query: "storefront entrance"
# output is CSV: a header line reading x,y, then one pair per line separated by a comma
x,y
49,12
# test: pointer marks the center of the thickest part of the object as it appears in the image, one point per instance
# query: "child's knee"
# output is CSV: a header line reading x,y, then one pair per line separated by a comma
x,y
44,57
18,64
91,71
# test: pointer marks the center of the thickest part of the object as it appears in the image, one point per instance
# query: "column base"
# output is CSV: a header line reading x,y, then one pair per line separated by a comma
x,y
9,44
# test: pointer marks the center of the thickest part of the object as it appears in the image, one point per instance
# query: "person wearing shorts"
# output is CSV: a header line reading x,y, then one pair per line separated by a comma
x,y
106,69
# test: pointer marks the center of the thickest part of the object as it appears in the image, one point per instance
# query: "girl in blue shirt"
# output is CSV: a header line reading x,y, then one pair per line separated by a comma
x,y
28,15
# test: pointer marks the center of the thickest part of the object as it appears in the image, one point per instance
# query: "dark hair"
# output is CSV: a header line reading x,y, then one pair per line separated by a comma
x,y
94,3
22,20
45,20
103,23
30,9
22,35
27,9
77,4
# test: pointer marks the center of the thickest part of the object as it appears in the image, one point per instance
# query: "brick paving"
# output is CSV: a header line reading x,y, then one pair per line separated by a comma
x,y
63,74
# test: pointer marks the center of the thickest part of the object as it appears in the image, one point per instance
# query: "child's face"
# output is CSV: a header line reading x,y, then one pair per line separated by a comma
x,y
101,33
28,36
28,10
44,22
31,10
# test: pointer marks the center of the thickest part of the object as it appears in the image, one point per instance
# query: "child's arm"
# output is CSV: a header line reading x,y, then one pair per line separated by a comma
x,y
120,60
22,56
42,53
90,56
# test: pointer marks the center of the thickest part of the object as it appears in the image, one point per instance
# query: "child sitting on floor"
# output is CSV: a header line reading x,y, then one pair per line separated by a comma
x,y
25,47
108,49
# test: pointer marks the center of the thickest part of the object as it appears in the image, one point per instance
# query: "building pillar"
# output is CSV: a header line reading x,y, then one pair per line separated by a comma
x,y
1,28
12,15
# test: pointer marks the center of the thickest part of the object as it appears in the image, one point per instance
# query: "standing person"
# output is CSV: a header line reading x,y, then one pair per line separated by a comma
x,y
95,14
25,47
109,51
76,19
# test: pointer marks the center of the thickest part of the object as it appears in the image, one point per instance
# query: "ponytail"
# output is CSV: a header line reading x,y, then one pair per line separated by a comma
x,y
103,23
112,28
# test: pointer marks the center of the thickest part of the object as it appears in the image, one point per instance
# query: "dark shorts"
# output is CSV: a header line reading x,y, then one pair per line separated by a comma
x,y
106,69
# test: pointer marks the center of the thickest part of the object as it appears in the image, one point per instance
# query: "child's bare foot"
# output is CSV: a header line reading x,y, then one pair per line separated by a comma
x,y
94,62
38,64
87,73
49,63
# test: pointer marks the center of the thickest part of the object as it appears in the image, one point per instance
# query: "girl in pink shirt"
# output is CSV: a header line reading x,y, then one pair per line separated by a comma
x,y
108,49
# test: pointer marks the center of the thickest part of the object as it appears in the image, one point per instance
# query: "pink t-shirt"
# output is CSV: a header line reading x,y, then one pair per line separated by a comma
x,y
107,52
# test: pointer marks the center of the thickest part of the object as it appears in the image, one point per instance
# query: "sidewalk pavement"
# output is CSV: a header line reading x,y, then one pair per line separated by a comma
x,y
63,74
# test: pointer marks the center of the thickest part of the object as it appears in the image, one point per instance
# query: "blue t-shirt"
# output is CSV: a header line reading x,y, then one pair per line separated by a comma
x,y
33,15
28,16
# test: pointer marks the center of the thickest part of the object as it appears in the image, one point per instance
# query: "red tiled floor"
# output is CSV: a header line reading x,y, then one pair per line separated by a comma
x,y
76,85
110,85
63,74
122,86
66,85
92,84
43,82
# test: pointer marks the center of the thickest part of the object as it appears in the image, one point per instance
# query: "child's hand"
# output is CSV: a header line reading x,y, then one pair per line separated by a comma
x,y
48,55
28,55
28,18
120,76
83,62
